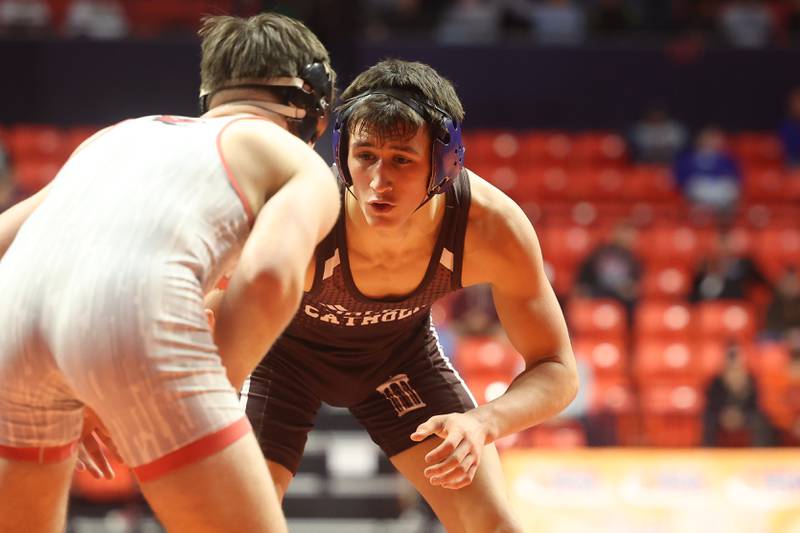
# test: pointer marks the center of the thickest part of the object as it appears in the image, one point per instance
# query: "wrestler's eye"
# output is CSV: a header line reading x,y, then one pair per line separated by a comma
x,y
400,160
365,156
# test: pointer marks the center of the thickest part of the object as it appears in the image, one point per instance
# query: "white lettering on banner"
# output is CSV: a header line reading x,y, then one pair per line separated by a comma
x,y
339,315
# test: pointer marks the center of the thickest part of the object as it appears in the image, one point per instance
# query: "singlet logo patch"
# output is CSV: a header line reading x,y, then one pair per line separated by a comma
x,y
401,394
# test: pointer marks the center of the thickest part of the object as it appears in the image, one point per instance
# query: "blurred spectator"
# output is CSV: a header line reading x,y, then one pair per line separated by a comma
x,y
657,138
612,270
725,274
732,414
790,129
792,23
96,19
708,175
558,22
24,17
470,22
599,425
390,17
473,313
791,392
783,312
746,23
611,18
7,188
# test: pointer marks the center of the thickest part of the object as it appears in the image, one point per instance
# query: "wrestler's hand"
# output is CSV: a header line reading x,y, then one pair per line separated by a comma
x,y
455,461
91,455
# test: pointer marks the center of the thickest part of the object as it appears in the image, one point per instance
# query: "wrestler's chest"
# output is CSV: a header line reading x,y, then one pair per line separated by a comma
x,y
377,278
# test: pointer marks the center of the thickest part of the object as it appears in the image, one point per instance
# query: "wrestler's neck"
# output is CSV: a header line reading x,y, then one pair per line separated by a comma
x,y
419,231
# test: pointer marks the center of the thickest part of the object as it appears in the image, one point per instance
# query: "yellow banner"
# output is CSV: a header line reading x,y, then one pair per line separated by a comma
x,y
655,491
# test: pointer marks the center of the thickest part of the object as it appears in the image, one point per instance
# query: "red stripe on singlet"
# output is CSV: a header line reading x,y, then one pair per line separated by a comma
x,y
191,453
41,455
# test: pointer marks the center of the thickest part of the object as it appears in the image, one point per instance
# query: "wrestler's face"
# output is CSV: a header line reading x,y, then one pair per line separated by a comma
x,y
390,175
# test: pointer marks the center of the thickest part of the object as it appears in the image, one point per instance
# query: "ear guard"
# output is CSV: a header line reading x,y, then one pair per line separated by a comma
x,y
447,150
306,99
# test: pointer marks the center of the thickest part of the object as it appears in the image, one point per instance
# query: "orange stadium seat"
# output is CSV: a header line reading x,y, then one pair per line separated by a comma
x,y
657,359
665,320
37,142
32,175
766,184
597,319
486,388
651,183
669,244
547,148
478,356
672,414
757,148
608,358
777,247
561,434
554,183
606,184
726,319
599,149
669,283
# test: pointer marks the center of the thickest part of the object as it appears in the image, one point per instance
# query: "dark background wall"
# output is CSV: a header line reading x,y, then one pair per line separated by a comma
x,y
79,82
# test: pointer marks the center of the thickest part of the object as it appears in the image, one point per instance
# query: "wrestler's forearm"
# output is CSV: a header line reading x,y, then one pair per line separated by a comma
x,y
539,393
250,318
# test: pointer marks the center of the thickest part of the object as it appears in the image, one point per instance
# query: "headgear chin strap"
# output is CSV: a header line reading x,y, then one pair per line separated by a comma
x,y
447,148
305,99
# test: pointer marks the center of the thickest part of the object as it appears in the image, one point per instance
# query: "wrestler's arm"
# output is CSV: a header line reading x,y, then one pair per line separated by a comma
x,y
502,249
265,289
533,321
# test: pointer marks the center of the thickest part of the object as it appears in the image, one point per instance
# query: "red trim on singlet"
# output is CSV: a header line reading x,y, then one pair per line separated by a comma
x,y
42,455
193,452
231,178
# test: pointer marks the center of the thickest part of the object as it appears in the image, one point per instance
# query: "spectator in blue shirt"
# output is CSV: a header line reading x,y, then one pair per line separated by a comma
x,y
790,130
708,175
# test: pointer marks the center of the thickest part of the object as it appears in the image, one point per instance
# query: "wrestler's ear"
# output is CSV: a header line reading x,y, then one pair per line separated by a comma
x,y
211,318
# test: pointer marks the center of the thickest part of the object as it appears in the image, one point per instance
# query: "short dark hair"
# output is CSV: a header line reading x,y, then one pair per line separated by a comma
x,y
387,117
264,46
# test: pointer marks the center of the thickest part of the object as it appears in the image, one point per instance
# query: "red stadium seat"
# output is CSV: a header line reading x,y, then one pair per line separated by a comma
x,y
558,434
608,358
657,359
36,142
597,319
757,148
765,184
651,183
722,319
599,149
671,414
32,175
547,148
488,387
669,283
778,247
477,356
660,319
674,244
